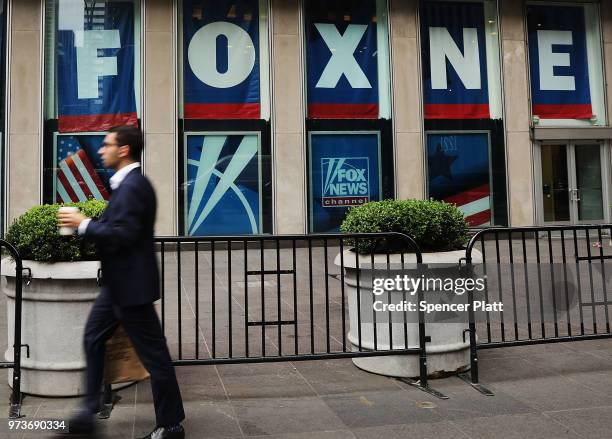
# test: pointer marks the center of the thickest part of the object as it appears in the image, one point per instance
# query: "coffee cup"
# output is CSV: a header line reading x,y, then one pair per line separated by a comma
x,y
67,231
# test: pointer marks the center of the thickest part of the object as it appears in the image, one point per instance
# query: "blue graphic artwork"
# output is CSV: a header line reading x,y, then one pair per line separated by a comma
x,y
458,167
223,184
344,172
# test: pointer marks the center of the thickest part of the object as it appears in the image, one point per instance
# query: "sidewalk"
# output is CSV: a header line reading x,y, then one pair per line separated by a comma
x,y
548,391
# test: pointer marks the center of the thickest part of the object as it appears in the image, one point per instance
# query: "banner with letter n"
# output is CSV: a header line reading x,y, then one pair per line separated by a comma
x,y
221,59
559,63
79,173
223,184
454,60
458,168
95,68
342,60
345,171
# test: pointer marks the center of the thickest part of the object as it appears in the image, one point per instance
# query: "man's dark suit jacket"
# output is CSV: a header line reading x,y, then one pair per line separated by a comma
x,y
124,237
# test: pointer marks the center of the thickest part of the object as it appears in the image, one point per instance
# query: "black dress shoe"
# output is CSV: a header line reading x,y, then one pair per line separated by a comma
x,y
162,433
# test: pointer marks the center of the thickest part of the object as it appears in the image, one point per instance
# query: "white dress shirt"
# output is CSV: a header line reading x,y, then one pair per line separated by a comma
x,y
115,181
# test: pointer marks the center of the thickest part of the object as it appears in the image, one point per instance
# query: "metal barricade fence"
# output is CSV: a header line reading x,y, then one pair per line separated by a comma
x,y
15,364
266,298
555,284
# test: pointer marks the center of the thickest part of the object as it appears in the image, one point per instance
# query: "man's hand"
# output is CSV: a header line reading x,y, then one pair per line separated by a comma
x,y
70,219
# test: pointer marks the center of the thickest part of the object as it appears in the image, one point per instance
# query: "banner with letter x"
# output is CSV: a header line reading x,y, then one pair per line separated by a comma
x,y
342,60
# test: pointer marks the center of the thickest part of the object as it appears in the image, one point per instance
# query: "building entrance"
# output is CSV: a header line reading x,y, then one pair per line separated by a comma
x,y
573,184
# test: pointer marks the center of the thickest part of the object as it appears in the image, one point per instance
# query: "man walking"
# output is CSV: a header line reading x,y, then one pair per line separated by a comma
x,y
124,236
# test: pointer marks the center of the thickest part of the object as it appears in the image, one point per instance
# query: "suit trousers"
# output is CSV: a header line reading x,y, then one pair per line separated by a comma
x,y
144,330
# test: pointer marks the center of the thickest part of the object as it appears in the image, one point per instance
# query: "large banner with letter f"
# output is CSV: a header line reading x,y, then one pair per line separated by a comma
x,y
95,69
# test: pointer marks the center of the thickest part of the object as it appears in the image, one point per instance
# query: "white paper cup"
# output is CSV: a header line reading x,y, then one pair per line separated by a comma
x,y
67,231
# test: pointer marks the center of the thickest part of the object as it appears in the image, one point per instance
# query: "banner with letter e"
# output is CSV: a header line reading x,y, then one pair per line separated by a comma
x,y
559,63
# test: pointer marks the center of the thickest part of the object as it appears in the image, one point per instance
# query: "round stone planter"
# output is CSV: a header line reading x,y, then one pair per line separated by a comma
x,y
56,304
447,352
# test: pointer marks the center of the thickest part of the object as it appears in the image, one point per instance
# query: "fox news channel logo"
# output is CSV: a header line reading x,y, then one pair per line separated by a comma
x,y
346,181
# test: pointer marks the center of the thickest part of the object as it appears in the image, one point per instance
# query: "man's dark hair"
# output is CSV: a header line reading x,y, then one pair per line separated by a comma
x,y
130,136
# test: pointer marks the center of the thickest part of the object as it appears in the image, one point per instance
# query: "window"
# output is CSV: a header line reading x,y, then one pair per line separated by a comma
x,y
92,83
463,108
350,142
224,106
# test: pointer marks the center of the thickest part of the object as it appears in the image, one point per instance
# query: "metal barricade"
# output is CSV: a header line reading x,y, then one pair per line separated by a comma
x,y
555,283
15,403
268,298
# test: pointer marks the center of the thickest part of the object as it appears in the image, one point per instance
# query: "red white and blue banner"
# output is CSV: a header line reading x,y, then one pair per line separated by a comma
x,y
458,168
79,172
454,60
559,62
221,59
95,69
344,172
342,61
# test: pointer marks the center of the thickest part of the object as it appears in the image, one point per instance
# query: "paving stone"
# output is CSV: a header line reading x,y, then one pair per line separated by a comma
x,y
211,420
571,362
465,402
592,423
285,415
501,369
342,376
521,426
369,409
338,434
436,430
282,385
554,393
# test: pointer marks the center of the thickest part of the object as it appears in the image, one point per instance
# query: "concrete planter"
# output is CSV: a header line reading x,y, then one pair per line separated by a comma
x,y
55,309
446,353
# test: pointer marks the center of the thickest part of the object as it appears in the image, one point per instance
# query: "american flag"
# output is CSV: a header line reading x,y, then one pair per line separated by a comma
x,y
77,179
475,204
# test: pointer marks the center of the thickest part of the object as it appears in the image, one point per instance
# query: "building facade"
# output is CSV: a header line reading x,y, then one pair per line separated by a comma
x,y
276,116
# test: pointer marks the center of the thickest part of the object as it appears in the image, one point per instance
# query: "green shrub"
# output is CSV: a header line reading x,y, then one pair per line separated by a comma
x,y
434,225
35,234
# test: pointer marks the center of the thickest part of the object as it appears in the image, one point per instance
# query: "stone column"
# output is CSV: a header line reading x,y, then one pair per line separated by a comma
x,y
516,92
23,164
407,100
288,118
160,112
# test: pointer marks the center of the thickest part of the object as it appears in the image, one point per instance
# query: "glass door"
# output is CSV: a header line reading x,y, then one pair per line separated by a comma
x,y
572,183
555,184
588,190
